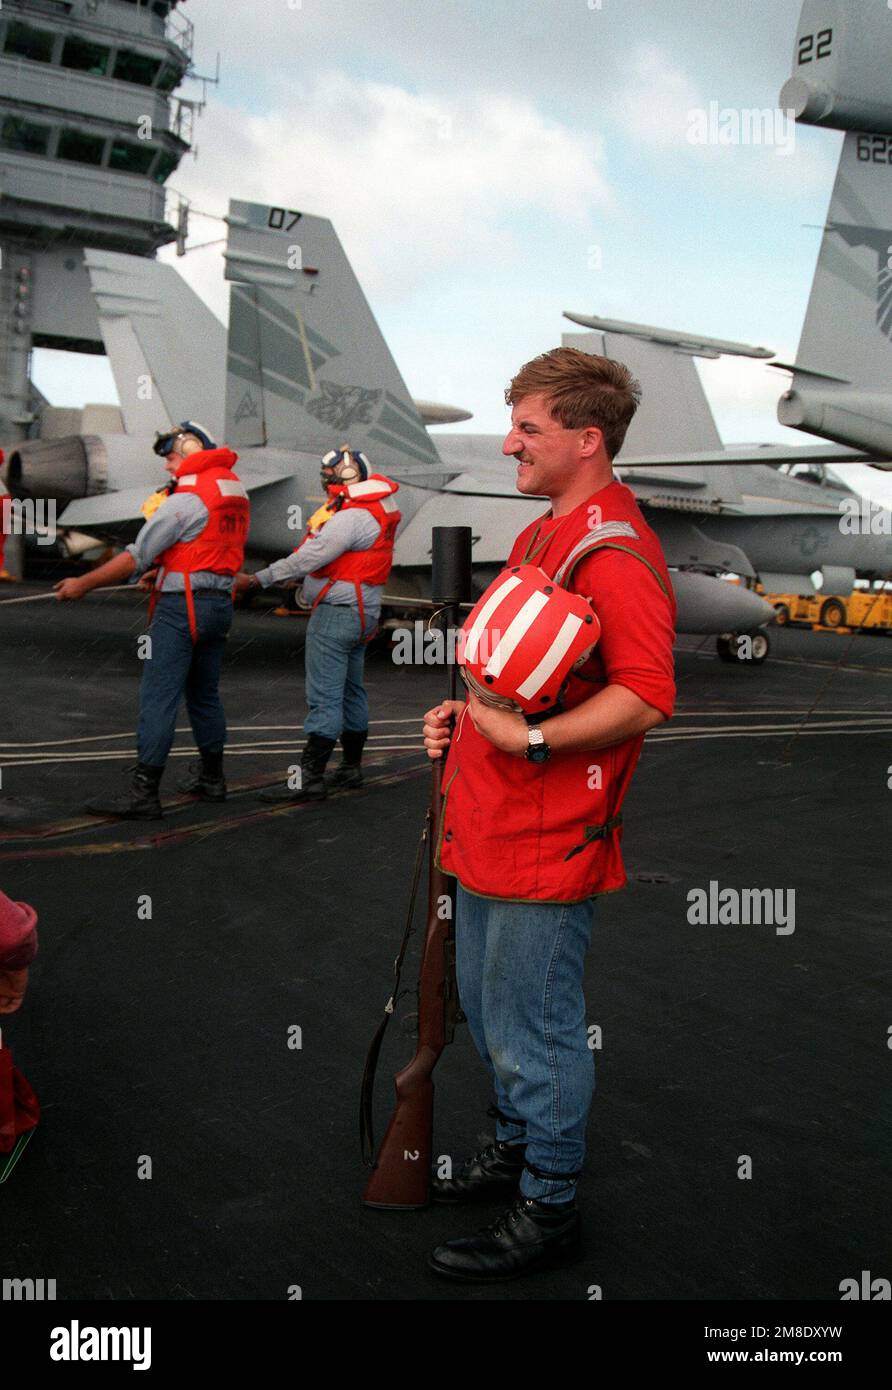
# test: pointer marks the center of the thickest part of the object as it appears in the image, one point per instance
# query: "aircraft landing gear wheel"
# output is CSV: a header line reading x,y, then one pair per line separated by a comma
x,y
751,652
760,648
833,613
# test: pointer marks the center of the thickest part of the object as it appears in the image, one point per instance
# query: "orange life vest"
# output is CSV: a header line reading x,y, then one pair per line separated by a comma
x,y
549,832
220,546
371,566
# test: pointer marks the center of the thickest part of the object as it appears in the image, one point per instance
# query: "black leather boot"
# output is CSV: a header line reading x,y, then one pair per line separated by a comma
x,y
527,1237
205,779
348,773
141,802
316,754
491,1175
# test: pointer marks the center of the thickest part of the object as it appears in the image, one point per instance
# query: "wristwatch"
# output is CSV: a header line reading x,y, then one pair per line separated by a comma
x,y
537,750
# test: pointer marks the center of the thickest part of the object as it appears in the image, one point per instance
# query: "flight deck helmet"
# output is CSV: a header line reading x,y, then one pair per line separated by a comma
x,y
164,443
523,638
343,466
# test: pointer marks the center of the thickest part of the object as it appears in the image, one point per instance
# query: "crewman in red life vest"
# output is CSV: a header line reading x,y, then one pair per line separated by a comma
x,y
343,560
192,545
531,823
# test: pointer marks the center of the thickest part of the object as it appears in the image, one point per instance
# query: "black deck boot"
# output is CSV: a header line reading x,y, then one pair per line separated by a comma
x,y
348,773
527,1237
491,1175
141,802
316,754
205,779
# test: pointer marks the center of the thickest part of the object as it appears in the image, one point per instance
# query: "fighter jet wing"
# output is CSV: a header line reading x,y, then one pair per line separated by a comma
x,y
674,425
495,523
497,519
486,478
111,513
751,453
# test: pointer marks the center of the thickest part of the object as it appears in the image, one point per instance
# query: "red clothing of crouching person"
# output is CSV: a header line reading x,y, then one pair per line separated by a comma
x,y
19,1110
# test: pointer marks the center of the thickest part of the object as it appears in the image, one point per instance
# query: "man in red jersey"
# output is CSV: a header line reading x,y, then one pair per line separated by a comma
x,y
531,824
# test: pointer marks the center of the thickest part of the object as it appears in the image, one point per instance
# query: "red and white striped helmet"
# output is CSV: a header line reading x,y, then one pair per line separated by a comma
x,y
523,638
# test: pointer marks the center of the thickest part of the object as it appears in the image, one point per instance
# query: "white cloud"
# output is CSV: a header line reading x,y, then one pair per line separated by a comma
x,y
656,105
415,185
746,391
653,105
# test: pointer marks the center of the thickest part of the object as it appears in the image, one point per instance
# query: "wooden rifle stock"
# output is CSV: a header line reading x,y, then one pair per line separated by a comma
x,y
402,1173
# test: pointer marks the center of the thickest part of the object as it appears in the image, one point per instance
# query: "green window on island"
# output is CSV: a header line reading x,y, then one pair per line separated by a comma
x,y
130,157
80,148
169,78
165,166
26,42
84,56
26,136
136,67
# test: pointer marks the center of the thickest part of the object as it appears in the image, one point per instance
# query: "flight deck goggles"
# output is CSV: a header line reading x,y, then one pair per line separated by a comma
x,y
343,466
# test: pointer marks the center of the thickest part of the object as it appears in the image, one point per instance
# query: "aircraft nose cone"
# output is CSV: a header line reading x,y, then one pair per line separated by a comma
x,y
756,609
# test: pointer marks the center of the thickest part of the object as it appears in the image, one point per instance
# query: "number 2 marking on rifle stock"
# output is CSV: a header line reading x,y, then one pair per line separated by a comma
x,y
412,1156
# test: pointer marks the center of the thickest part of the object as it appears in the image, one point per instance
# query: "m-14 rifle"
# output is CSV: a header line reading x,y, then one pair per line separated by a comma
x,y
401,1171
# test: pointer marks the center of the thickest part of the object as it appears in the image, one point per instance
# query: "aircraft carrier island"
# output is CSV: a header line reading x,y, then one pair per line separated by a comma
x,y
182,1066
91,130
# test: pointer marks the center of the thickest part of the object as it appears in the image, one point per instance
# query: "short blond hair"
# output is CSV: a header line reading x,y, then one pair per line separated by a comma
x,y
581,390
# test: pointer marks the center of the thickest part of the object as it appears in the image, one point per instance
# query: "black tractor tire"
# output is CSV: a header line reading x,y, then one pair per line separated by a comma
x,y
833,613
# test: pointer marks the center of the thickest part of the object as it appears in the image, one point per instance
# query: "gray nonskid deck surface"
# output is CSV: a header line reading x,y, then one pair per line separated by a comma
x,y
167,1038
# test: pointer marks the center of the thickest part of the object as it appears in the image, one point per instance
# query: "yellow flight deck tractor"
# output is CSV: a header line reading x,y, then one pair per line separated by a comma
x,y
862,609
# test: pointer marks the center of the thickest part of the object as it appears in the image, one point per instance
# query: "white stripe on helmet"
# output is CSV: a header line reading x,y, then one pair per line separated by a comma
x,y
472,641
517,629
552,658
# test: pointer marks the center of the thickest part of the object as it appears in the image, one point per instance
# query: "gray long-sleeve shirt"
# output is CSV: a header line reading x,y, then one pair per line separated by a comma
x,y
181,517
355,529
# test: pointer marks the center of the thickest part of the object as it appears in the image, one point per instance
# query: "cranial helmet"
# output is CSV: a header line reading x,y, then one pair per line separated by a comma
x,y
523,638
164,443
343,466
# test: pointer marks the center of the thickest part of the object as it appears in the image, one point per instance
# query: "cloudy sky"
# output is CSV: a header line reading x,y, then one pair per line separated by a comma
x,y
490,165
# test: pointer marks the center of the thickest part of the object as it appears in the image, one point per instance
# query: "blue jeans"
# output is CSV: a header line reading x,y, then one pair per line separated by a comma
x,y
177,667
519,970
334,661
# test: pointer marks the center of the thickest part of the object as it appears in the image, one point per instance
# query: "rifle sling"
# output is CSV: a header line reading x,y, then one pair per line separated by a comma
x,y
367,1091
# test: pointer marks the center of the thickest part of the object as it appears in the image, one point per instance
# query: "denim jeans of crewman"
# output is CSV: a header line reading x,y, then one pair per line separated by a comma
x,y
519,969
334,661
178,667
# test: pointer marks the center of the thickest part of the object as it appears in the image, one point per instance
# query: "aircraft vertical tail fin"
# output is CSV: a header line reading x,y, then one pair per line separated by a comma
x,y
307,365
674,414
843,370
847,333
164,345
